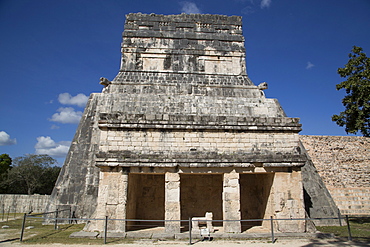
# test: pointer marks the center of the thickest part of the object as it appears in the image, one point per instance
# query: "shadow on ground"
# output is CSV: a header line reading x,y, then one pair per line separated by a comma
x,y
339,242
8,240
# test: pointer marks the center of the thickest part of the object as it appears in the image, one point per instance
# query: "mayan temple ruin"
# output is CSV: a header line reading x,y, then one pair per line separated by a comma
x,y
181,131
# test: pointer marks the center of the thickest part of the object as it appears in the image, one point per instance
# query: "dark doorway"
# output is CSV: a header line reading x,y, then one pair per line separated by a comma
x,y
145,200
201,193
254,195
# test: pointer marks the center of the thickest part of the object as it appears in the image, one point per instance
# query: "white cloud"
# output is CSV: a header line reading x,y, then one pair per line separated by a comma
x,y
248,10
46,145
67,115
54,127
189,8
5,139
265,3
67,99
309,65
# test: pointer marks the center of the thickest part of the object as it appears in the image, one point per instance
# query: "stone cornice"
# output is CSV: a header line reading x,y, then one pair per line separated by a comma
x,y
167,121
199,159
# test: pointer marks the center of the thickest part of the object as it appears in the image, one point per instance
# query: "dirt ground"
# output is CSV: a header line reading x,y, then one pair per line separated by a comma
x,y
221,243
10,237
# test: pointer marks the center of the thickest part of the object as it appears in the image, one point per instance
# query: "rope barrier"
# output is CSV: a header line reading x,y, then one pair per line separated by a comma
x,y
106,219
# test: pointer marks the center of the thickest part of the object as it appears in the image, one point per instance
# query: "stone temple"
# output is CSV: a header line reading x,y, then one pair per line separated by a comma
x,y
181,131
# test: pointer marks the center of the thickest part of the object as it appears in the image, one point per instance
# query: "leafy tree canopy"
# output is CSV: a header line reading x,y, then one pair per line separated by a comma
x,y
356,116
5,166
5,163
32,174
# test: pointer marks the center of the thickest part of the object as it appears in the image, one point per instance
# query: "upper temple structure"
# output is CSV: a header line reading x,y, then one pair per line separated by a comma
x,y
182,131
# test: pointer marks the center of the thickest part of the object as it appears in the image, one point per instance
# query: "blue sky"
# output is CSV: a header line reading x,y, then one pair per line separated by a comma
x,y
52,54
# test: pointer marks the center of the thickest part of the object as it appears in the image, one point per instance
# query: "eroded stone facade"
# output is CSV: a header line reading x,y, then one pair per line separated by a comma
x,y
343,162
183,117
181,131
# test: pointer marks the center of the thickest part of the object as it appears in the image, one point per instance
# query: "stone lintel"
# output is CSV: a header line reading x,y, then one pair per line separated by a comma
x,y
201,159
284,164
103,164
130,168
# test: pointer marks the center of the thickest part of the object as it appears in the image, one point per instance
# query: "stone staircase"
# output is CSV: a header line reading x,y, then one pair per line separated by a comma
x,y
352,201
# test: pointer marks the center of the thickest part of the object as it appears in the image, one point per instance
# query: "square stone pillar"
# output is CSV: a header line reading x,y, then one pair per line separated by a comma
x,y
231,202
172,202
288,201
112,200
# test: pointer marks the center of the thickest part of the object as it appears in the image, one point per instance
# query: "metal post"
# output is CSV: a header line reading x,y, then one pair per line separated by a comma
x,y
7,216
23,225
272,230
190,228
340,218
349,229
70,215
105,229
56,221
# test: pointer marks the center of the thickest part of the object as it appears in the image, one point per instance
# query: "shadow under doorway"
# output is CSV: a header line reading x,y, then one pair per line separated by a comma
x,y
200,193
254,195
145,201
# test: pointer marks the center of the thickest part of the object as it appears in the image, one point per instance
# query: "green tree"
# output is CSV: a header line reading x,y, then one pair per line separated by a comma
x,y
5,166
49,178
32,174
5,163
356,116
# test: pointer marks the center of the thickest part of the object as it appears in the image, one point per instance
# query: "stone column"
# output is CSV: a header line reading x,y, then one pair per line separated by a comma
x,y
231,202
172,202
112,199
288,201
121,208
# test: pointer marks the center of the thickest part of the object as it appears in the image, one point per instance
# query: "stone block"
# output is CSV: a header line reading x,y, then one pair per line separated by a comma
x,y
172,210
172,195
83,234
172,177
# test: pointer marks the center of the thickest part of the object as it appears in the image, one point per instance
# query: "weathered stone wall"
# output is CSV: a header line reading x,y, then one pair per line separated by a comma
x,y
78,181
210,44
182,103
218,144
318,201
343,163
14,203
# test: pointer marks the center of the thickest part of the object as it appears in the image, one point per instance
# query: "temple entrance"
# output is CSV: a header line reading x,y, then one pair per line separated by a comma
x,y
254,195
201,193
145,200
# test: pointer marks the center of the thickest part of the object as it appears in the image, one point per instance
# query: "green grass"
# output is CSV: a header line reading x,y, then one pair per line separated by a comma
x,y
10,216
360,229
45,234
